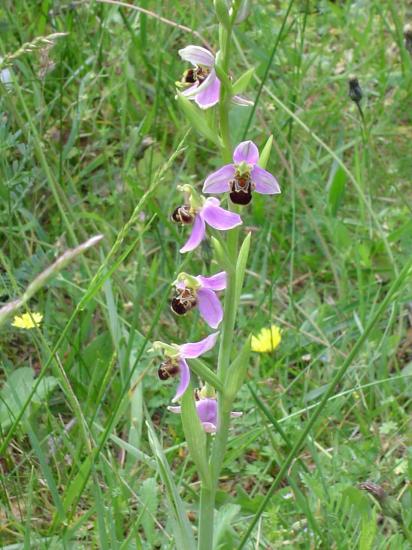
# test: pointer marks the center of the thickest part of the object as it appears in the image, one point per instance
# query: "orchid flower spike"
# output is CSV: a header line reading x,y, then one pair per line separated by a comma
x,y
204,85
175,363
242,177
207,412
199,212
201,292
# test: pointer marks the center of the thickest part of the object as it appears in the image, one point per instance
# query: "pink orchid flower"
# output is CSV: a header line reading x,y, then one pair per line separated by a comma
x,y
207,410
200,292
204,85
242,177
205,89
175,360
210,213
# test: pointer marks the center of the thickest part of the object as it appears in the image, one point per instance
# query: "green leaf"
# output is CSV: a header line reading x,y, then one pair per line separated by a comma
x,y
368,532
195,435
221,254
237,370
181,526
241,265
203,372
197,119
149,495
224,521
336,190
246,502
72,491
358,499
242,82
101,517
132,451
265,154
17,390
315,393
222,12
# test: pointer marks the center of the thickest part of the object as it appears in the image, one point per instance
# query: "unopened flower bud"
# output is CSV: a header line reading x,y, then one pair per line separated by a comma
x,y
355,91
374,489
407,34
243,12
390,506
222,12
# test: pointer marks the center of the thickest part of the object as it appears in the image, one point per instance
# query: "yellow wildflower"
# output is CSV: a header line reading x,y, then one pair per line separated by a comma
x,y
267,340
27,320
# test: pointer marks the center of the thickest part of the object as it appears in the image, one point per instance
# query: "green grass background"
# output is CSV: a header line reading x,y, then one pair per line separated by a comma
x,y
92,141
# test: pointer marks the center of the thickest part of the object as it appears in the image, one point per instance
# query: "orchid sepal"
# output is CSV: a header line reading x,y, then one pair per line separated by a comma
x,y
203,81
200,292
170,350
187,280
211,214
193,197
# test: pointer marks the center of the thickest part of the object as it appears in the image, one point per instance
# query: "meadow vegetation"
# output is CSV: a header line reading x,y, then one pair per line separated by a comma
x,y
93,142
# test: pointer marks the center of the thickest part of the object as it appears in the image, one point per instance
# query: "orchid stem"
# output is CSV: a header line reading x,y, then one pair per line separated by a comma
x,y
207,495
224,129
206,520
219,447
224,101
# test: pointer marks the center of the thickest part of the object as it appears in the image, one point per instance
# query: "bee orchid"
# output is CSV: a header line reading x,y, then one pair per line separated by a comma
x,y
242,177
209,213
207,410
204,85
200,292
175,363
200,83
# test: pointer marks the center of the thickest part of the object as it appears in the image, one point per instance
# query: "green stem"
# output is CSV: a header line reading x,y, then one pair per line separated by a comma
x,y
207,495
228,325
225,350
206,520
224,129
224,100
224,408
219,446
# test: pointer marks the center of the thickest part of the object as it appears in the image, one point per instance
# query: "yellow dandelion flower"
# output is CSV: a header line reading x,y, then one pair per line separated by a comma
x,y
27,320
267,340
